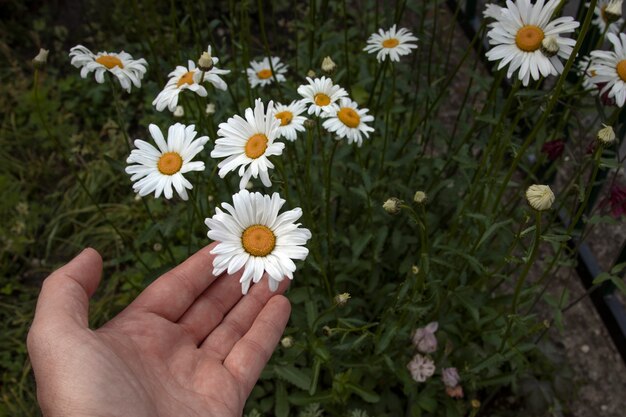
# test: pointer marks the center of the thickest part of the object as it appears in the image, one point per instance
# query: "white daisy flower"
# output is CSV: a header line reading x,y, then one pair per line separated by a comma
x,y
247,143
127,70
321,94
492,11
159,169
348,121
188,78
261,74
602,19
290,119
253,236
391,43
518,35
610,69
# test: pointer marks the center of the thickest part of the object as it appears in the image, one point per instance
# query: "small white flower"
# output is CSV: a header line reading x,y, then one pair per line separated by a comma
x,y
253,236
421,368
321,94
391,43
540,197
247,143
159,169
348,121
610,69
517,36
424,338
290,120
261,74
127,70
450,377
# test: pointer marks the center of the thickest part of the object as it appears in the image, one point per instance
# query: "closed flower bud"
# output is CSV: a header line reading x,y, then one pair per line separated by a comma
x,y
606,135
287,342
157,247
415,270
205,63
392,205
328,65
475,403
450,377
549,46
540,197
210,109
311,74
341,299
420,197
613,10
179,111
42,57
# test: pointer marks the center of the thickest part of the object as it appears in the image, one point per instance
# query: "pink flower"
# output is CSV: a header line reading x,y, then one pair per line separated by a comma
x,y
421,368
617,200
424,338
456,392
450,377
554,149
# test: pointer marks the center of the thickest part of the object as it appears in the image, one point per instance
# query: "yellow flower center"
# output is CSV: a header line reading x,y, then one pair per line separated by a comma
x,y
187,78
170,163
285,117
529,38
621,69
258,240
264,74
109,61
349,117
256,145
322,99
390,43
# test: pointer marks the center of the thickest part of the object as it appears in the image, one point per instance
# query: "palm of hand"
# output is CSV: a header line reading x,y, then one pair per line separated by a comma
x,y
189,345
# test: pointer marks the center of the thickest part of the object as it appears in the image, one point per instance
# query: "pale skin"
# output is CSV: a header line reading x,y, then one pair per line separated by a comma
x,y
189,345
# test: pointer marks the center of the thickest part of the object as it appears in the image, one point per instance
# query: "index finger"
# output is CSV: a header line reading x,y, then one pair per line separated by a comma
x,y
172,293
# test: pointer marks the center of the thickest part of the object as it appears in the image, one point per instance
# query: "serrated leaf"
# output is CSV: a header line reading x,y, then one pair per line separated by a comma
x,y
293,375
281,405
365,394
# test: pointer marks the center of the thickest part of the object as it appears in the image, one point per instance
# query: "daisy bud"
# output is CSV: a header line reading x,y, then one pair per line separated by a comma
x,y
42,57
420,197
205,63
328,65
475,403
613,10
392,205
606,135
341,299
179,111
540,197
415,270
450,377
311,74
157,247
549,46
210,198
210,109
327,331
287,342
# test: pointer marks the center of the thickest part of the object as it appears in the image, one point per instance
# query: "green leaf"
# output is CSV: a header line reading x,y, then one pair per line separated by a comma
x,y
317,366
491,230
293,375
386,338
281,406
367,395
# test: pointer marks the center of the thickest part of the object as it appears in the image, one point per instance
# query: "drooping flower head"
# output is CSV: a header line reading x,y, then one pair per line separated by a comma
x,y
159,169
348,121
524,38
189,78
608,15
247,143
391,44
253,236
321,94
260,73
290,120
127,71
610,69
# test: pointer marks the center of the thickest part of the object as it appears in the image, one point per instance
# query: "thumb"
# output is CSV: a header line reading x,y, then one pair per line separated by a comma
x,y
65,294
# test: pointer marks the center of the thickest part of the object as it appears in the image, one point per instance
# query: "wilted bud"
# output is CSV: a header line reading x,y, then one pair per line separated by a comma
x,y
328,65
287,342
424,338
415,269
454,392
210,109
613,10
606,135
420,197
42,57
392,205
309,124
341,299
540,197
157,247
179,111
311,74
549,46
205,63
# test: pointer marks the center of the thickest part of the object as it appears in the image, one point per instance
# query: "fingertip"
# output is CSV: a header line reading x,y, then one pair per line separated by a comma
x,y
281,303
92,254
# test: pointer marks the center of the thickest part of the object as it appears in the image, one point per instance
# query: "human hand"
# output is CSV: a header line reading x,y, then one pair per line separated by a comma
x,y
188,345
